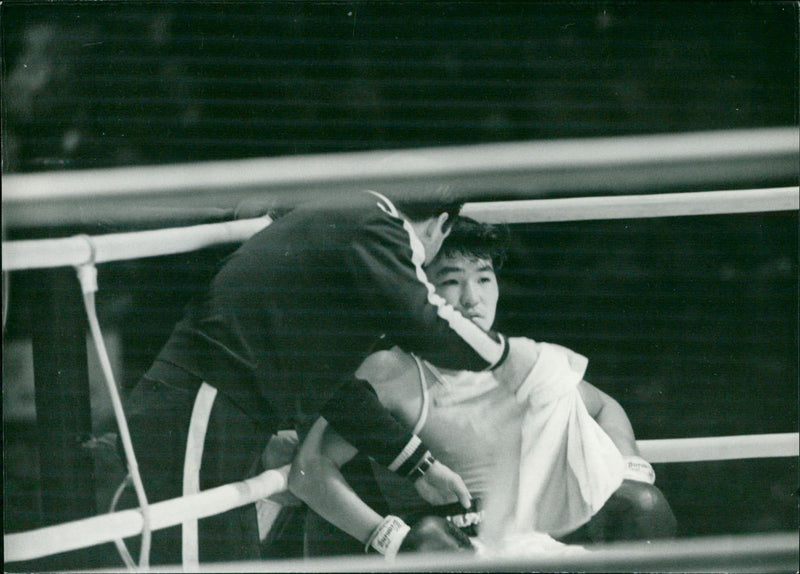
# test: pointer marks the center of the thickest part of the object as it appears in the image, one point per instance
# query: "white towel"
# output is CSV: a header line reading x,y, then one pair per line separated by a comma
x,y
564,467
525,545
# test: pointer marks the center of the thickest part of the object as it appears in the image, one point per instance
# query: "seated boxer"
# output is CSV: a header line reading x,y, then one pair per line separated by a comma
x,y
555,457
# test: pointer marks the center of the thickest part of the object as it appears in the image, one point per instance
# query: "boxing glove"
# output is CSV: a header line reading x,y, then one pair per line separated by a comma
x,y
435,534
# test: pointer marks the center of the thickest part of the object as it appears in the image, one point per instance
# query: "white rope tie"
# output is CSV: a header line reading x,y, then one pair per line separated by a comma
x,y
87,275
118,542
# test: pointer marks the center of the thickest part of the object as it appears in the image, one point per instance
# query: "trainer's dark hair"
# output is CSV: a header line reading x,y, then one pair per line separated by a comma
x,y
419,202
474,239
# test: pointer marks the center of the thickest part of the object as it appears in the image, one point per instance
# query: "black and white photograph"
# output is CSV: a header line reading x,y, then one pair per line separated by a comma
x,y
380,286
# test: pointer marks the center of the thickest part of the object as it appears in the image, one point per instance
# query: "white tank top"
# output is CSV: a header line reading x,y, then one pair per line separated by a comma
x,y
557,466
463,417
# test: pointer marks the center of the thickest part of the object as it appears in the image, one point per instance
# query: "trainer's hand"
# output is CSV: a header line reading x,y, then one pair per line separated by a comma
x,y
522,355
440,485
435,534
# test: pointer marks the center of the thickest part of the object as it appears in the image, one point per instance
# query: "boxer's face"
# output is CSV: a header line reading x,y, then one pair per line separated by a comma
x,y
467,283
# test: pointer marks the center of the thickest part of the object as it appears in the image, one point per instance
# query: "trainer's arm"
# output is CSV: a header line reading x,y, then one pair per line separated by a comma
x,y
386,262
358,415
611,417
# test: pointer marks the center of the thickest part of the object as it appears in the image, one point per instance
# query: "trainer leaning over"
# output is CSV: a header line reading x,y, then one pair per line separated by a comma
x,y
278,335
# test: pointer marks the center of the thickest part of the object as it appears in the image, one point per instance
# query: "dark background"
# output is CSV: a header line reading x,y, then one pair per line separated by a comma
x,y
97,84
691,323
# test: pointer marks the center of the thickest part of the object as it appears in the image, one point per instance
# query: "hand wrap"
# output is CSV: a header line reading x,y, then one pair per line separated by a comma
x,y
388,536
637,468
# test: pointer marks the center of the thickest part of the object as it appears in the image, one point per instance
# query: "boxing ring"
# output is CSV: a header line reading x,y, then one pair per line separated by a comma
x,y
525,169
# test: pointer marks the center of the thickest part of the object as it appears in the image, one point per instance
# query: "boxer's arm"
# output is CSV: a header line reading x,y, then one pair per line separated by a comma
x,y
359,417
611,417
316,479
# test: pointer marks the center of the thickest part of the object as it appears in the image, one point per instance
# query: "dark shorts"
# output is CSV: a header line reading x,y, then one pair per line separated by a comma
x,y
159,410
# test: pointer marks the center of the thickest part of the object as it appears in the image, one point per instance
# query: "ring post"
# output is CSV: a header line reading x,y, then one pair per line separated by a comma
x,y
63,410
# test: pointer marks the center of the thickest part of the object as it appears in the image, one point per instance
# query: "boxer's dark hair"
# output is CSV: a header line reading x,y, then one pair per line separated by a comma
x,y
480,240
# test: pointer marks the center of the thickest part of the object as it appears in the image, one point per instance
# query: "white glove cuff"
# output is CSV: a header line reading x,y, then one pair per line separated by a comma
x,y
637,468
388,536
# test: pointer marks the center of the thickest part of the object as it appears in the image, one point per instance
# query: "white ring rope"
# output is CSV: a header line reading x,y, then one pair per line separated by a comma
x,y
75,251
636,206
40,253
122,550
720,447
107,527
83,253
755,553
87,275
626,164
285,172
125,523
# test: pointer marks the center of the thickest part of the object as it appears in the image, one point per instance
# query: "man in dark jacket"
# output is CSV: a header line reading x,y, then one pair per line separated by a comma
x,y
277,337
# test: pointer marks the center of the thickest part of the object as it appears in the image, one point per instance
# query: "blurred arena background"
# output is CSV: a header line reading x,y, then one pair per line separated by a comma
x,y
692,322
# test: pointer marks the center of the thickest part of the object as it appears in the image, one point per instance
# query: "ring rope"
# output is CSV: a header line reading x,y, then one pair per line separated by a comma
x,y
754,553
636,206
75,251
87,275
125,523
115,526
315,171
594,166
40,253
104,528
720,447
122,550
